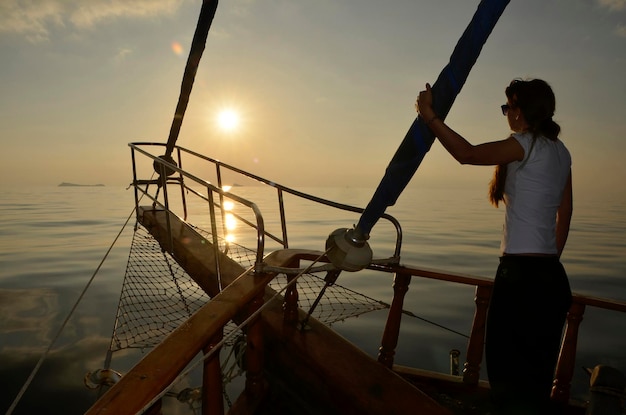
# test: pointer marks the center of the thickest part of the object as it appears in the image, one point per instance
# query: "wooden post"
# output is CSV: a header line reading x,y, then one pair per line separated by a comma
x,y
567,356
254,353
212,398
387,350
476,344
290,306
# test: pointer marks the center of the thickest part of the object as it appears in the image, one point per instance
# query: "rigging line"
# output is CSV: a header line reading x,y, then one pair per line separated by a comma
x,y
331,267
425,320
109,354
227,337
178,288
58,334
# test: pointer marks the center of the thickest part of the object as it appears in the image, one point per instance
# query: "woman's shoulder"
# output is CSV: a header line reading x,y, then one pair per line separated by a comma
x,y
556,148
562,148
524,138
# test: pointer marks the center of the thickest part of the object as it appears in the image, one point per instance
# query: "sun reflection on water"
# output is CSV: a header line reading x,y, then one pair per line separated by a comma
x,y
230,222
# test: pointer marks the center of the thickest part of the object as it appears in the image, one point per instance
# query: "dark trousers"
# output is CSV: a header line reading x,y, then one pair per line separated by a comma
x,y
529,304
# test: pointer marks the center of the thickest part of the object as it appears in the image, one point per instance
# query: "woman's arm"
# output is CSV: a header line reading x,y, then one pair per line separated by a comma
x,y
564,215
492,153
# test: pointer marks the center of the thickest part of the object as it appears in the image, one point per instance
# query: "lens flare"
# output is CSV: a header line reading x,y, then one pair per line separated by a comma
x,y
177,48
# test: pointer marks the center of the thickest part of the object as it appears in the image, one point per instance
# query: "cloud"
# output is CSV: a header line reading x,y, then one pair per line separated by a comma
x,y
613,5
30,19
241,7
89,14
122,54
35,19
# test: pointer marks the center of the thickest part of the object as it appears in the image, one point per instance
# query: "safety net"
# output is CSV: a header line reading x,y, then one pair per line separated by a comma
x,y
158,295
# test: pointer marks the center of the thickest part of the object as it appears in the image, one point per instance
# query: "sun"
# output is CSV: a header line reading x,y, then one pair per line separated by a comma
x,y
228,119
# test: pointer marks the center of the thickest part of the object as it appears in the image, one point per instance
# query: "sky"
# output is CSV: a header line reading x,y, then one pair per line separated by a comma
x,y
324,90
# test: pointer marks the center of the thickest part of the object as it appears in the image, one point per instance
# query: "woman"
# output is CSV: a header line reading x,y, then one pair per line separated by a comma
x,y
531,293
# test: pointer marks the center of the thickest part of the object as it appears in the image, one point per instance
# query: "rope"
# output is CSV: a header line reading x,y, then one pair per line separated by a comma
x,y
292,271
232,333
56,337
373,300
331,267
235,369
425,320
178,289
320,268
109,354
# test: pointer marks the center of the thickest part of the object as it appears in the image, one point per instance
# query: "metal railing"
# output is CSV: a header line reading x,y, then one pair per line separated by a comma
x,y
168,174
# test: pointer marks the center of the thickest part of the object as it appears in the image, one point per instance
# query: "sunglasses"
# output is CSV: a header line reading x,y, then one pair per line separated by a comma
x,y
505,108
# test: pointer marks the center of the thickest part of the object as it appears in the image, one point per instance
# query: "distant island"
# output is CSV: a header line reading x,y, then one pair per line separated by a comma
x,y
65,184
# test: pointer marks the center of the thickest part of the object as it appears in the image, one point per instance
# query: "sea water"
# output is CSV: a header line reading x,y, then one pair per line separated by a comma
x,y
54,240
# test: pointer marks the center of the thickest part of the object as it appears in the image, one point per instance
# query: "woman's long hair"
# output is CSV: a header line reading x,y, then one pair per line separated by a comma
x,y
536,101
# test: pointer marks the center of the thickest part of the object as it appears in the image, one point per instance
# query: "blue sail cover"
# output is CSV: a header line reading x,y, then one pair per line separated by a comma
x,y
419,138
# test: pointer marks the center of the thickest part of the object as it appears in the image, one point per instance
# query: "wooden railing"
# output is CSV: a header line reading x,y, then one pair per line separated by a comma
x,y
567,357
566,364
475,346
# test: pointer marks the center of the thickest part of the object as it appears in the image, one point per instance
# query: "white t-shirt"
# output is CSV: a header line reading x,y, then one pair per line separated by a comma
x,y
532,195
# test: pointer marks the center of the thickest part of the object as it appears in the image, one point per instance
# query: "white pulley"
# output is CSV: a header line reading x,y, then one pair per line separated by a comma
x,y
348,249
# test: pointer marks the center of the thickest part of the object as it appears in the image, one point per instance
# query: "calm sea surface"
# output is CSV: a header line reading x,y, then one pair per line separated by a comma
x,y
52,240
